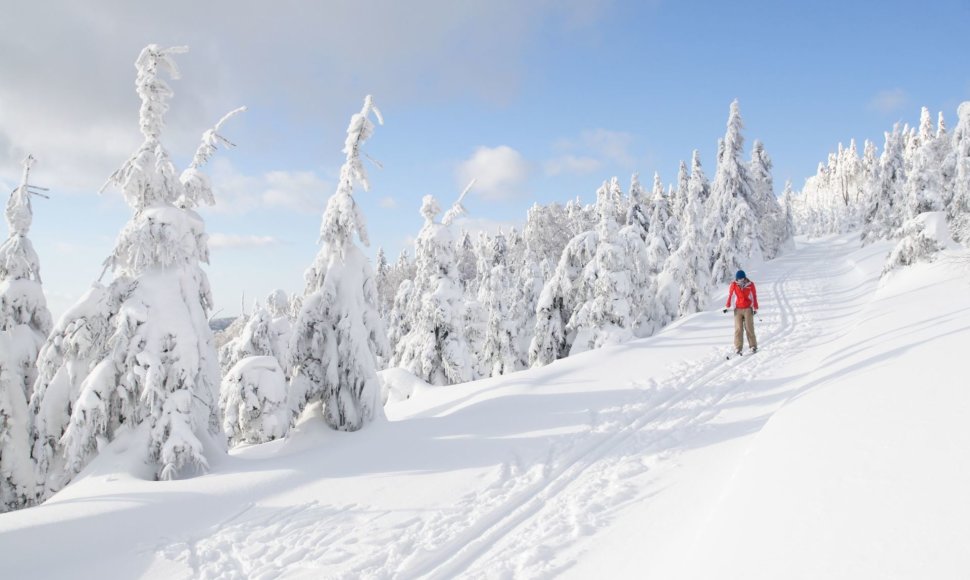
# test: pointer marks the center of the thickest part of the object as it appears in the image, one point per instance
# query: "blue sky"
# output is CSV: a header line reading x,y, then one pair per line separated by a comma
x,y
541,101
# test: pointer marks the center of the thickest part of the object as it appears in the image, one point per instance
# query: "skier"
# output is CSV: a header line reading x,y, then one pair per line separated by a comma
x,y
745,307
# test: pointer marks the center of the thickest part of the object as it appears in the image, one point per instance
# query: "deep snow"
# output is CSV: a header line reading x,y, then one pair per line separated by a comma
x,y
841,450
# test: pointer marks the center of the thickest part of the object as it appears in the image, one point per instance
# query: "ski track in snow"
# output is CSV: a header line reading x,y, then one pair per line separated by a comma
x,y
520,523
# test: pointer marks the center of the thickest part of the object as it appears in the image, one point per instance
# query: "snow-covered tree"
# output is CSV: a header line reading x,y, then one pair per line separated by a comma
x,y
638,210
547,231
527,291
730,223
607,314
924,183
382,279
266,333
562,294
25,323
138,357
254,401
435,348
883,214
683,286
958,210
788,215
467,258
498,351
680,199
771,227
339,340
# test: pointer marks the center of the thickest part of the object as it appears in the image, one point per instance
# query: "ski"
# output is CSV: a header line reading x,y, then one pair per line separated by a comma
x,y
737,354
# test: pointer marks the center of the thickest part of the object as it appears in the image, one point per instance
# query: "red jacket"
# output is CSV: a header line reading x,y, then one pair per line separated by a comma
x,y
746,293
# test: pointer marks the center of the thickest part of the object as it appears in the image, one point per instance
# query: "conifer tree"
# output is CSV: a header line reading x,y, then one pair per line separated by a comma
x,y
24,325
528,288
498,351
730,222
958,210
385,294
764,203
561,296
684,283
883,218
339,340
435,347
638,211
138,356
606,315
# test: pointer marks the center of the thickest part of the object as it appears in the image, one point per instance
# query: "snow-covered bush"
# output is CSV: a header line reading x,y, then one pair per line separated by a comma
x,y
254,401
923,237
145,358
339,341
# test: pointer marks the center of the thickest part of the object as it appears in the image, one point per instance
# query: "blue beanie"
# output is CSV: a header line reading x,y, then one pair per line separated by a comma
x,y
740,275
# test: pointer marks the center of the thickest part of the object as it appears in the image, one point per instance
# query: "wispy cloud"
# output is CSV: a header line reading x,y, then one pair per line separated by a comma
x,y
591,151
889,101
572,164
499,172
235,241
83,119
388,202
300,191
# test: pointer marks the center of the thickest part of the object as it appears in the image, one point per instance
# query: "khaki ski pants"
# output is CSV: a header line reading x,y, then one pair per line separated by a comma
x,y
744,324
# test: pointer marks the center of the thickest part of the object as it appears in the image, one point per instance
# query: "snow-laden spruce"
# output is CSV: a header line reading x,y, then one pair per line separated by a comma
x,y
597,293
266,333
916,172
731,223
609,313
958,163
499,351
683,286
435,347
769,214
25,323
137,357
528,288
339,341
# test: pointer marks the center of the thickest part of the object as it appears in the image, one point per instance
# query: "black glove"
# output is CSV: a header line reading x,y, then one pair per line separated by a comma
x,y
754,312
725,311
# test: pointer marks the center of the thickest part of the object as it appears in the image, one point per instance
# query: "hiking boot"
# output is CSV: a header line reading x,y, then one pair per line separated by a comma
x,y
754,349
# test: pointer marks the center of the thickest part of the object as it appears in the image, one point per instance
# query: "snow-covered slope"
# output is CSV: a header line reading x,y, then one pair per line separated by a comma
x,y
841,450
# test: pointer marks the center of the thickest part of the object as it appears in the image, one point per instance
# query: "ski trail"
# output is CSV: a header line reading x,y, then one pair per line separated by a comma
x,y
520,523
519,536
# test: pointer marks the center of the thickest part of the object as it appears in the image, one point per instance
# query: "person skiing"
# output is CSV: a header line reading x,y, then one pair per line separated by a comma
x,y
745,307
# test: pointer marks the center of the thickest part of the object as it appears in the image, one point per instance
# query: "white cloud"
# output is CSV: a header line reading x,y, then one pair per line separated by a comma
x,y
572,164
303,65
889,101
300,191
590,152
499,172
388,202
233,241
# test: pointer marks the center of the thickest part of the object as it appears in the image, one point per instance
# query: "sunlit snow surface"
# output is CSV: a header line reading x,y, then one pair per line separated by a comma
x,y
840,450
